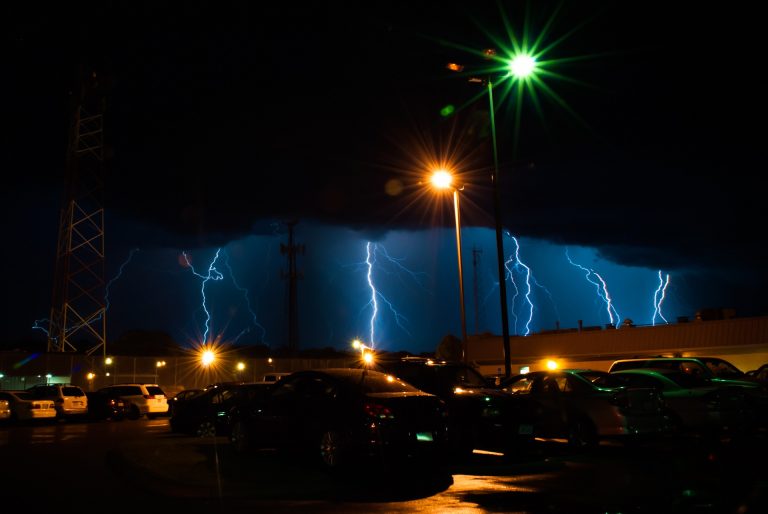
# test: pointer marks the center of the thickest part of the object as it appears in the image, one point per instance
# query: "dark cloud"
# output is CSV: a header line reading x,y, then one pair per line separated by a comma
x,y
224,119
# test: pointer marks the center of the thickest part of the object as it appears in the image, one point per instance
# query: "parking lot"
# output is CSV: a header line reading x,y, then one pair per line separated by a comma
x,y
141,463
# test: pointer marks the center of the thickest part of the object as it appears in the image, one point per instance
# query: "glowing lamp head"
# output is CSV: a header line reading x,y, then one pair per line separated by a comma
x,y
240,366
552,364
356,344
442,179
522,66
368,358
108,360
208,357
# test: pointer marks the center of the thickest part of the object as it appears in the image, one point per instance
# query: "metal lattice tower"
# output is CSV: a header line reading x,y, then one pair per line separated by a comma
x,y
293,276
78,308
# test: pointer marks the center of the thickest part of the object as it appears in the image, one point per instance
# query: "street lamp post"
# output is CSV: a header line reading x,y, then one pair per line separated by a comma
x,y
518,67
499,239
442,180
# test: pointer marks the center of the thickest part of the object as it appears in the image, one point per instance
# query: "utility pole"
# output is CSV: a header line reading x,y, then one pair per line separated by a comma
x,y
293,275
476,252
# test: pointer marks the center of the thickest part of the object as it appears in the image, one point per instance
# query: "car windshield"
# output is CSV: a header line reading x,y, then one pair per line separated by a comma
x,y
722,368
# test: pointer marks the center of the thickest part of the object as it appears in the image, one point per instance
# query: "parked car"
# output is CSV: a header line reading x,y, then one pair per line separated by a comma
x,y
180,398
760,374
208,413
141,399
340,416
25,407
716,370
69,400
275,376
105,405
479,416
696,405
572,406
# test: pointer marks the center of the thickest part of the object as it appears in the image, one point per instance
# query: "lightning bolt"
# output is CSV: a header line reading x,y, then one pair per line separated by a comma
x,y
374,251
119,274
213,274
514,263
658,298
601,288
36,325
247,301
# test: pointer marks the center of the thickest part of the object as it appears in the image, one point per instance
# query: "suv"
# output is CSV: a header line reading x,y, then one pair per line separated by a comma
x,y
480,416
69,400
140,399
719,371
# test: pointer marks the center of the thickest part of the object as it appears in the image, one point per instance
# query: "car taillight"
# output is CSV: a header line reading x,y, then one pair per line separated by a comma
x,y
112,402
378,411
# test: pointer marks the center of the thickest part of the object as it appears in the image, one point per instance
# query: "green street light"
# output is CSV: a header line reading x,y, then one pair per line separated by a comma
x,y
520,70
519,66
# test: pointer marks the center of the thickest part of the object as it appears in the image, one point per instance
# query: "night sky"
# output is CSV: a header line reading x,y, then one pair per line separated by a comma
x,y
640,157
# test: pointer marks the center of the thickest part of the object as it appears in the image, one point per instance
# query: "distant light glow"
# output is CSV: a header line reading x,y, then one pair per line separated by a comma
x,y
552,364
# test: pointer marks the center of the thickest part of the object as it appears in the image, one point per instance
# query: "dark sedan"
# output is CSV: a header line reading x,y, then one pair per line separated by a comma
x,y
103,405
207,413
480,417
339,416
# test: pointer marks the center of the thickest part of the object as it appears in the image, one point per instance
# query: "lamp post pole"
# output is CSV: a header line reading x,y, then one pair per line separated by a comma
x,y
499,239
464,341
442,179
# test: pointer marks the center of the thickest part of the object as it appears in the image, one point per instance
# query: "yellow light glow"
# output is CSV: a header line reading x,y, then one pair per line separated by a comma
x,y
269,360
91,376
240,366
552,364
390,378
356,344
442,179
108,360
208,357
368,357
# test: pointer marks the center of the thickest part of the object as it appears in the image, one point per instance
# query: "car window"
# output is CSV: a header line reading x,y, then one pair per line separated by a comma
x,y
155,390
520,386
71,391
638,380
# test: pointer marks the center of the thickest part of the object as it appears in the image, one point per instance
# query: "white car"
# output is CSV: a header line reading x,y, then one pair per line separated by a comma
x,y
24,407
141,399
69,400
